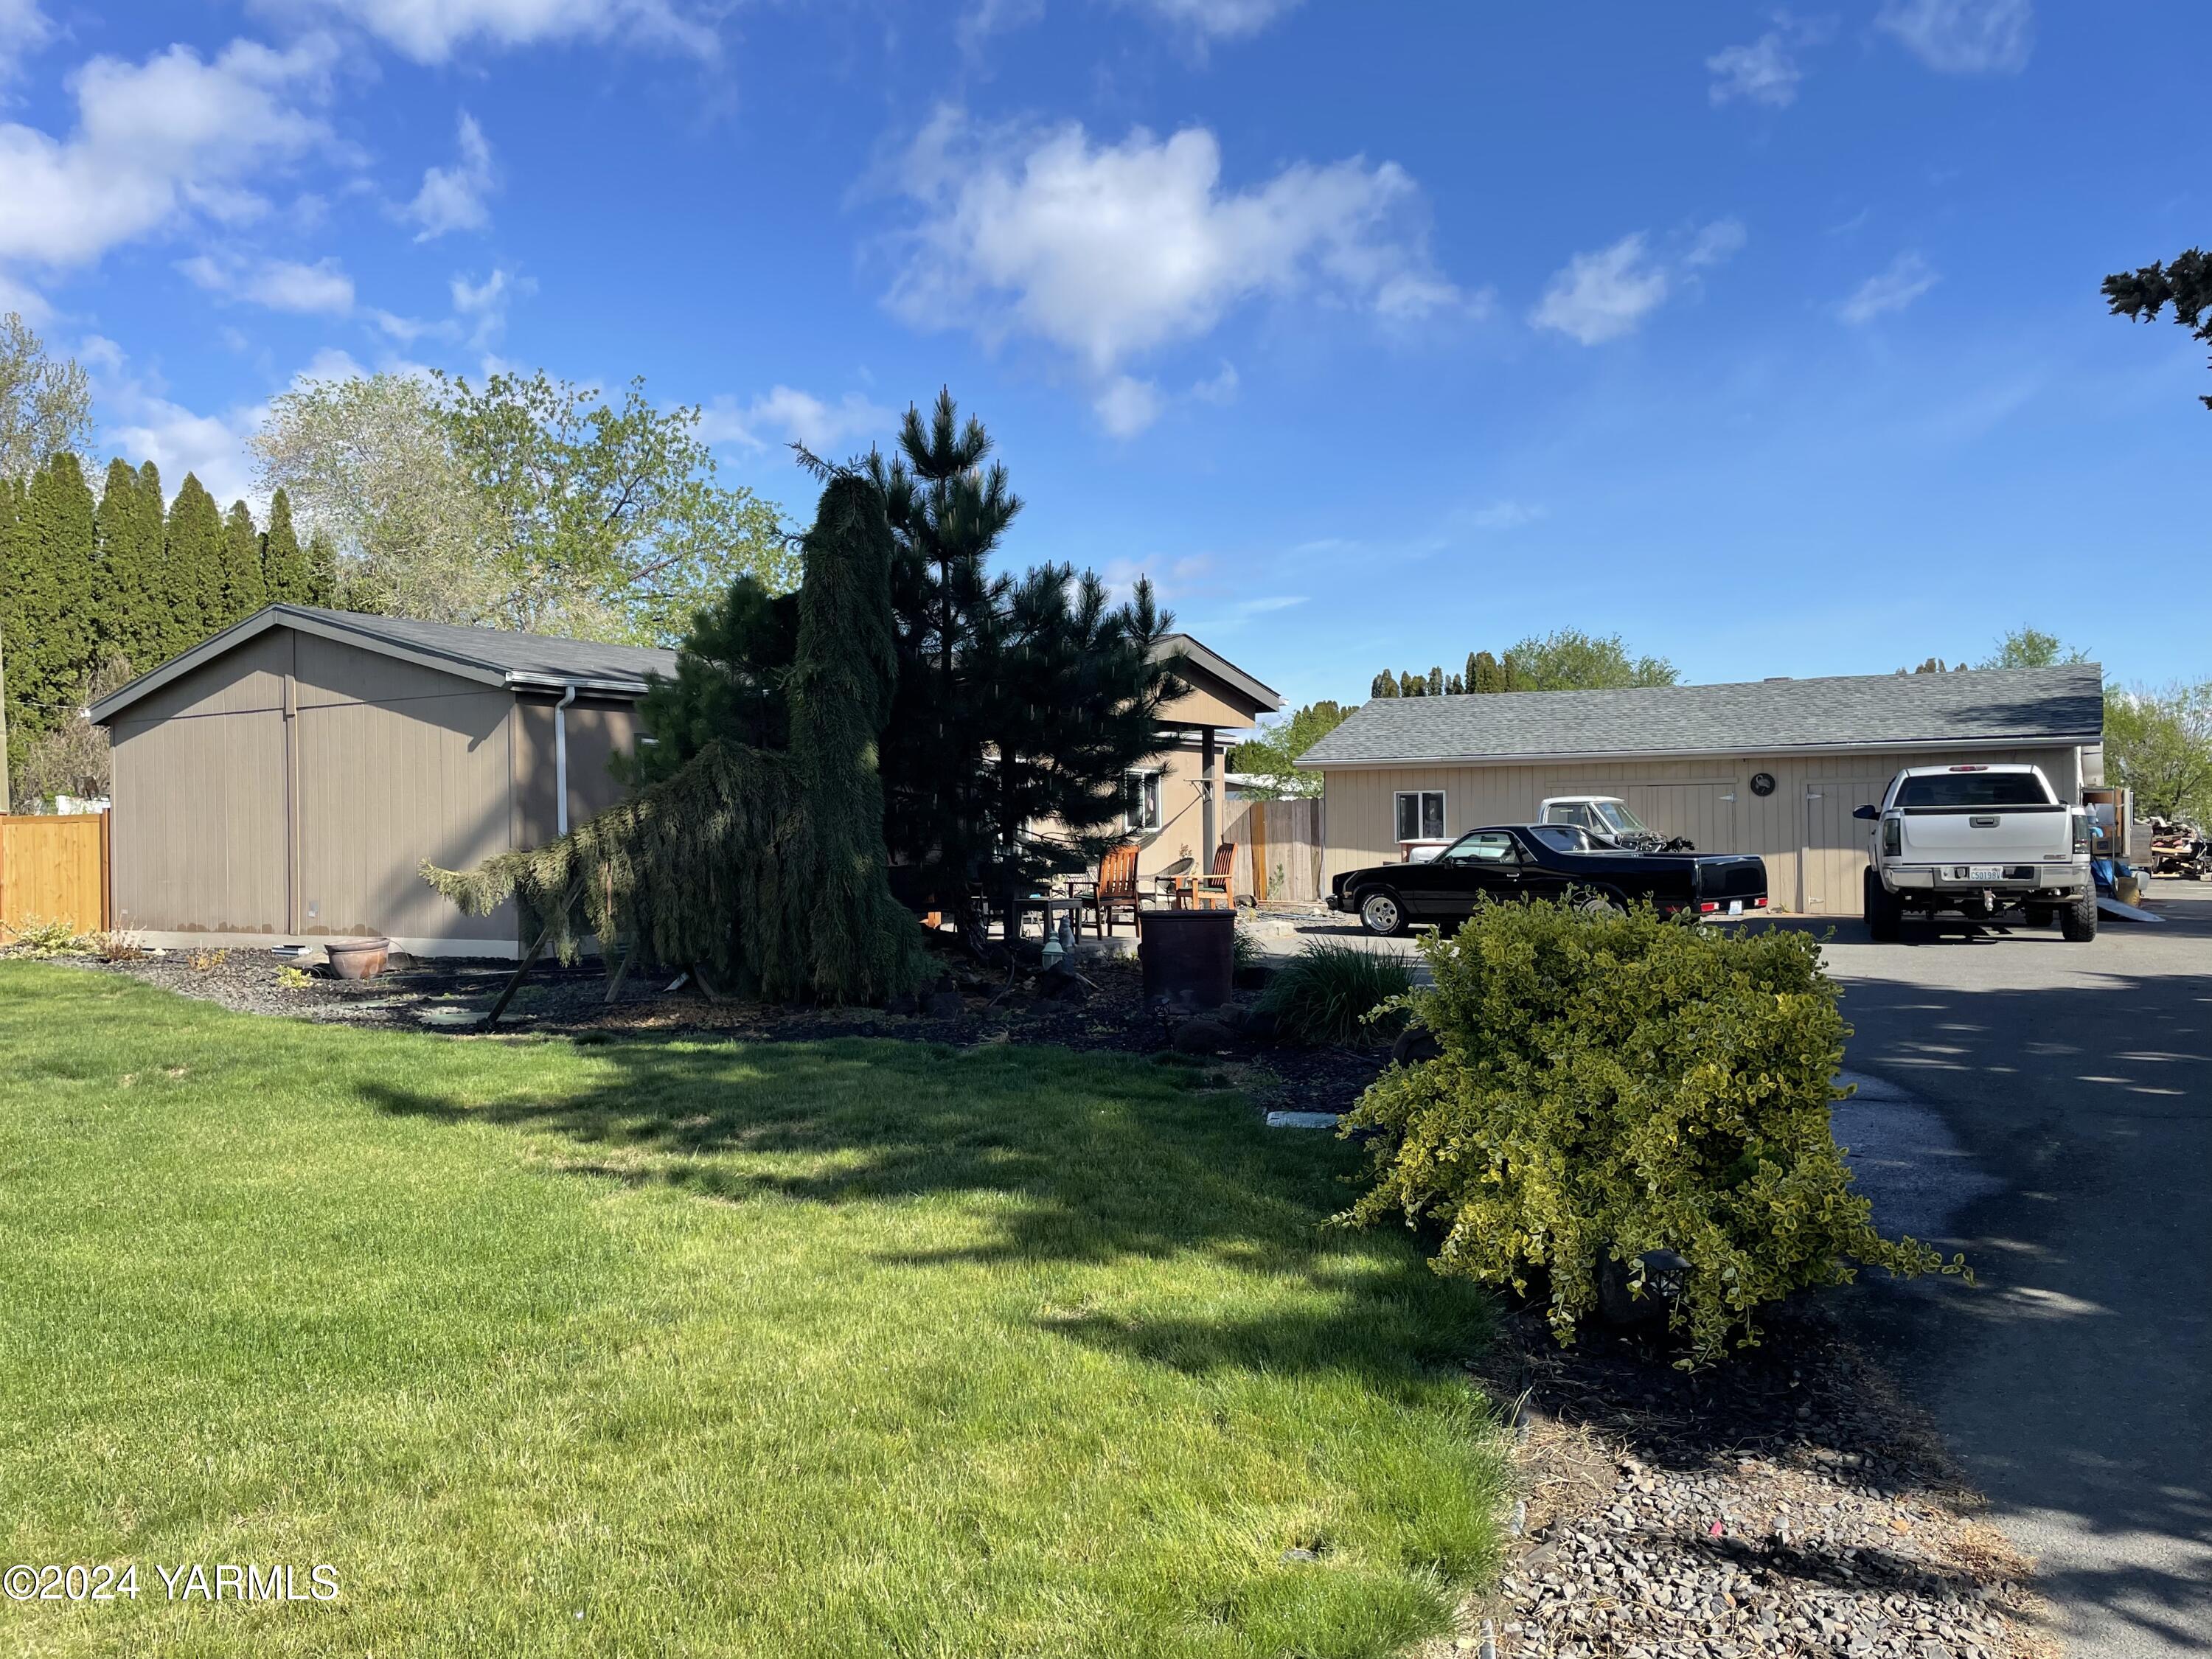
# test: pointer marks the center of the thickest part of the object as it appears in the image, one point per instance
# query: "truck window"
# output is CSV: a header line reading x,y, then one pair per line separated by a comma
x,y
1973,789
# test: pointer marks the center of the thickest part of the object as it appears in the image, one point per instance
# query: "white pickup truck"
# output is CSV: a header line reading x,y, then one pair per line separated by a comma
x,y
1978,840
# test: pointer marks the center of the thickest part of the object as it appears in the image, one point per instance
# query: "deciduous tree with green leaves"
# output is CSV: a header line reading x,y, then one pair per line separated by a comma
x,y
2027,646
45,402
2158,742
1268,761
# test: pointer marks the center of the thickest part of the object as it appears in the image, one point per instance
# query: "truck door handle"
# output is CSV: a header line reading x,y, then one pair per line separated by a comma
x,y
1980,823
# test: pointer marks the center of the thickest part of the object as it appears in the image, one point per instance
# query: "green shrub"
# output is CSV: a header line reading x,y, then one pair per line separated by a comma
x,y
1325,993
45,938
1620,1085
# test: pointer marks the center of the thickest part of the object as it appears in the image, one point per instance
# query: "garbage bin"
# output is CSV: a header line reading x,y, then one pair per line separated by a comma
x,y
1188,956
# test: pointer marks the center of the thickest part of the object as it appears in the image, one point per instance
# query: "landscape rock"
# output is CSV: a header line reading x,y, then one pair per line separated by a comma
x,y
1414,1045
1202,1037
944,1005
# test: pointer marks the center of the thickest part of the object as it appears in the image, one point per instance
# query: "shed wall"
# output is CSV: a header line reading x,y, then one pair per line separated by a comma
x,y
227,824
1814,849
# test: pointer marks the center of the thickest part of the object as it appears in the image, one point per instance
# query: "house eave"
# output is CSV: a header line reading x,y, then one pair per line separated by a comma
x,y
2045,740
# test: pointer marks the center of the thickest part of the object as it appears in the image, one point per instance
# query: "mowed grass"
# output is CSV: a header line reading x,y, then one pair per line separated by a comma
x,y
860,1347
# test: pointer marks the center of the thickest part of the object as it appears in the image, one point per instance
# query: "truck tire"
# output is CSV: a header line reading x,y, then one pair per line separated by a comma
x,y
1883,911
1380,913
2078,920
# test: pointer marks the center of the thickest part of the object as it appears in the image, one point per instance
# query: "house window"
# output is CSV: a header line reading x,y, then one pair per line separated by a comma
x,y
1143,801
1420,814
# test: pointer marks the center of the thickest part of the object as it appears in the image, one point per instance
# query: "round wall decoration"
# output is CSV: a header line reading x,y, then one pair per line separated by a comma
x,y
1762,783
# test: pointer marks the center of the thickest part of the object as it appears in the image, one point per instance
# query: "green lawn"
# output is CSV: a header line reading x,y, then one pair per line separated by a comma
x,y
842,1349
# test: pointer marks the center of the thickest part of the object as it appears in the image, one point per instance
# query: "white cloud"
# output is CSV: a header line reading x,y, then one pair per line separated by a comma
x,y
1603,295
1507,515
452,198
280,284
794,415
1218,388
1218,20
1127,405
1110,251
1964,37
1908,277
482,307
432,31
155,141
23,29
1763,72
1717,243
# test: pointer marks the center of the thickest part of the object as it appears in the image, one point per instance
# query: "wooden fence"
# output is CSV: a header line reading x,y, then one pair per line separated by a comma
x,y
54,869
1278,850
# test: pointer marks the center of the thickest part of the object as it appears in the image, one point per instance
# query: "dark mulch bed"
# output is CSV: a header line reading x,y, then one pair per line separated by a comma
x,y
1106,1010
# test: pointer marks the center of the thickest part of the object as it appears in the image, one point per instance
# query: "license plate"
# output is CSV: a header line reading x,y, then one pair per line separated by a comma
x,y
1985,872
1735,907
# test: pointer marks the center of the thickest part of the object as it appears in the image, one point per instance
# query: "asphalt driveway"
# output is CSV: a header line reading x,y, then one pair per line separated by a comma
x,y
2066,1147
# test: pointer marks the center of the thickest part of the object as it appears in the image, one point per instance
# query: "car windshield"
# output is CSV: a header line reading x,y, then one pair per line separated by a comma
x,y
1561,837
1619,819
1974,789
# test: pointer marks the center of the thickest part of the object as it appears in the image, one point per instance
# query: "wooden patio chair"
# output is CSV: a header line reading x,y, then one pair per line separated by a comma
x,y
1114,892
1217,887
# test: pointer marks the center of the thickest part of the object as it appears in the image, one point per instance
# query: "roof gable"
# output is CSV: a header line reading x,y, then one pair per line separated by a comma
x,y
2027,705
489,656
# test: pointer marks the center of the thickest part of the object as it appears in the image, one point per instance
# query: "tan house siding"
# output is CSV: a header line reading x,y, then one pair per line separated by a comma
x,y
197,827
598,731
1814,849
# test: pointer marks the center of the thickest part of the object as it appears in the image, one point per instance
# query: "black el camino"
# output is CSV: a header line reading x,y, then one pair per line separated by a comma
x,y
1546,861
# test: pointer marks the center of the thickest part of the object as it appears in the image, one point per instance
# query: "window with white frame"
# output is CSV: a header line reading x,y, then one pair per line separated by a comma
x,y
1143,807
1420,814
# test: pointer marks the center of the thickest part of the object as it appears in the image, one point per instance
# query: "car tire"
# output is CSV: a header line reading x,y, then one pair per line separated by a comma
x,y
1599,907
2077,920
1883,911
1381,913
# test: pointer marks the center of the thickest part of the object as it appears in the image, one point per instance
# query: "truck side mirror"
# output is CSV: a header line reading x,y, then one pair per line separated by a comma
x,y
1870,813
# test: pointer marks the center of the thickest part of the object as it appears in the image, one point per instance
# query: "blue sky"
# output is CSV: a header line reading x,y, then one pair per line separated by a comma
x,y
1374,333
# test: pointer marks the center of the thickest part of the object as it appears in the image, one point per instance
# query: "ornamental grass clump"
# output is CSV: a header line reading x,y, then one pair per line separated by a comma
x,y
1329,994
1608,1087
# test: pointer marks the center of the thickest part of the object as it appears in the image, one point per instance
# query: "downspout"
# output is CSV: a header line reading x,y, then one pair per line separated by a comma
x,y
561,758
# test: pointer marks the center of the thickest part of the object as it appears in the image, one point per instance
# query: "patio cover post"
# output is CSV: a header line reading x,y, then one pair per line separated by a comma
x,y
1206,824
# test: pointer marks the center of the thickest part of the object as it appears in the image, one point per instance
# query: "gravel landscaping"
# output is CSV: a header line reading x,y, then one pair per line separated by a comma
x,y
1790,1505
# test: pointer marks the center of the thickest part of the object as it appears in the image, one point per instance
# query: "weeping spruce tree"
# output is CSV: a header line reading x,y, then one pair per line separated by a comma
x,y
766,867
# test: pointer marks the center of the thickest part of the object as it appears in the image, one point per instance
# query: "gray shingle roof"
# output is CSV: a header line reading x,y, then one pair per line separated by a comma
x,y
1764,716
488,654
498,650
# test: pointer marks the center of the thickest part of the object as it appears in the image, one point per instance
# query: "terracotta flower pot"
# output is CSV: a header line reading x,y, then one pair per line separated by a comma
x,y
357,958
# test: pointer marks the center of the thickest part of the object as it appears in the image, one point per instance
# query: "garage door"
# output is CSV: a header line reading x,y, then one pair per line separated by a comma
x,y
1832,866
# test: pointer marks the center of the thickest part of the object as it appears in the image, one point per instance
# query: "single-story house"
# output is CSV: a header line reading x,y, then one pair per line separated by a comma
x,y
285,780
1774,767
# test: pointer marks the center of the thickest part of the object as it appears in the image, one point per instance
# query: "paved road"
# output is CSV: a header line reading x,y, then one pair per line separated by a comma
x,y
2072,1163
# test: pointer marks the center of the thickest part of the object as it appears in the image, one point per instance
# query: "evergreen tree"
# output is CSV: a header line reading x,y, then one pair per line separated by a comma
x,y
51,645
11,514
323,579
1484,673
130,543
1384,685
284,572
730,684
1410,686
767,866
243,591
193,568
1436,686
1455,686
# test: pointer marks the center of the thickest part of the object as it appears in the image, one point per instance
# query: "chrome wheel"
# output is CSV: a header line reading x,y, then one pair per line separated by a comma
x,y
1381,914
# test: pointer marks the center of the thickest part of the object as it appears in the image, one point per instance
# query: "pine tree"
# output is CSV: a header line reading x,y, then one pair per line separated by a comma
x,y
323,578
284,572
243,591
1455,686
193,568
51,645
1435,685
1384,685
1484,673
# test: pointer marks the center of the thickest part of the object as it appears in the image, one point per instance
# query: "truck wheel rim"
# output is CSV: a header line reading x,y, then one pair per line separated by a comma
x,y
1381,913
